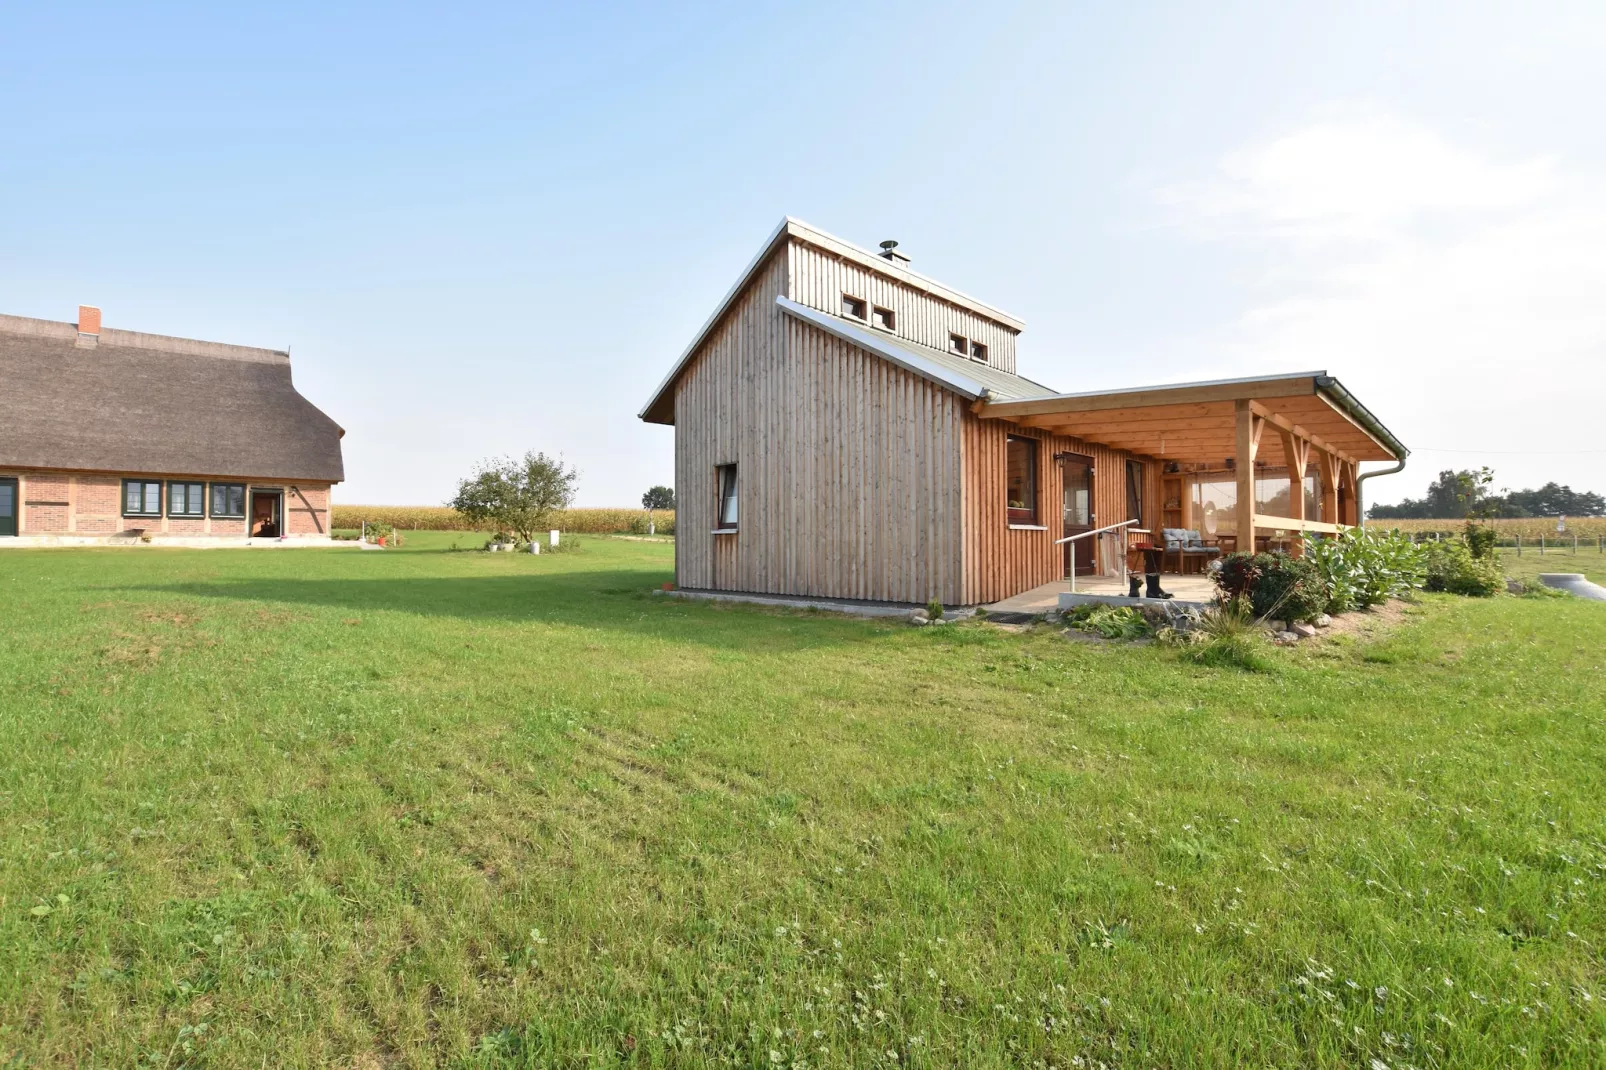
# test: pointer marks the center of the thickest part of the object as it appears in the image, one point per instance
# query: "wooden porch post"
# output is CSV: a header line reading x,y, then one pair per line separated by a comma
x,y
1328,467
1346,508
1248,439
1296,453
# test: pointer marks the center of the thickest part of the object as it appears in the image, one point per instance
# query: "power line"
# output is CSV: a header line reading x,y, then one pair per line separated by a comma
x,y
1508,453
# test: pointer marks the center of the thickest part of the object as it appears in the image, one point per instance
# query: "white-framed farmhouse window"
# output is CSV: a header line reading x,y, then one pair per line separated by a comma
x,y
142,497
228,500
186,499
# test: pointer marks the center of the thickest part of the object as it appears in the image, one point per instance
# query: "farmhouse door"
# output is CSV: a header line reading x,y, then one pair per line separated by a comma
x,y
8,507
1077,512
265,514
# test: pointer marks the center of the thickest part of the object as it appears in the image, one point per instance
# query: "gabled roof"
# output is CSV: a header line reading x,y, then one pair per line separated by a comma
x,y
148,404
960,374
788,229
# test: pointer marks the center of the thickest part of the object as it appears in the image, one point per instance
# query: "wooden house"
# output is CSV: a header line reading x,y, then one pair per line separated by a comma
x,y
113,436
848,428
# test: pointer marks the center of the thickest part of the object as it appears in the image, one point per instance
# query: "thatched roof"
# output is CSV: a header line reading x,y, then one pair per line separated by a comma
x,y
133,403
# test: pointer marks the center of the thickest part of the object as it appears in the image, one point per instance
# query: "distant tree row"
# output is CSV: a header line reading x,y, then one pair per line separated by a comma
x,y
1466,493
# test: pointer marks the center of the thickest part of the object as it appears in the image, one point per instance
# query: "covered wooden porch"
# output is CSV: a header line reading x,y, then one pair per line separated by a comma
x,y
1225,437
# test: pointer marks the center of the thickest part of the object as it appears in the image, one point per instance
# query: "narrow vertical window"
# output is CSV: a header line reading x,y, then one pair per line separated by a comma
x,y
725,477
1020,460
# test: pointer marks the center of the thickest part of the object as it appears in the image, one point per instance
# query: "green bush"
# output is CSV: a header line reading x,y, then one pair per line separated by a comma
x,y
1364,567
1452,567
1275,585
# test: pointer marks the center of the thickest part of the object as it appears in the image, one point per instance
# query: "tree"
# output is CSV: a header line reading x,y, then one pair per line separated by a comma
x,y
658,498
518,496
1451,496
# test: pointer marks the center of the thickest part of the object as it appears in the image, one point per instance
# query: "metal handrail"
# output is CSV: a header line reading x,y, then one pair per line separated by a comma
x,y
1096,531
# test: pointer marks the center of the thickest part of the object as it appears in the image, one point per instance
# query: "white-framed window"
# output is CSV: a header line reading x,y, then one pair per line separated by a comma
x,y
978,351
958,344
853,307
142,497
884,318
186,499
228,500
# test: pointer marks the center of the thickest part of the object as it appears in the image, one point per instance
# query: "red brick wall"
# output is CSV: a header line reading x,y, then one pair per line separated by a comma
x,y
44,503
309,516
58,504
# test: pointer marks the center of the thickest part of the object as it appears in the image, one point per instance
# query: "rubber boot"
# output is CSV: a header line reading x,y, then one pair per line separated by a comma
x,y
1154,587
1137,587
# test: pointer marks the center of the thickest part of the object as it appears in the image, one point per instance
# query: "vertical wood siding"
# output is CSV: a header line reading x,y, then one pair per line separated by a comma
x,y
1000,561
819,279
848,467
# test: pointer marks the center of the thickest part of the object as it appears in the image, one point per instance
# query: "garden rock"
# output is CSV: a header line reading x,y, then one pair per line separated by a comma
x,y
1287,637
1324,621
1276,626
1303,630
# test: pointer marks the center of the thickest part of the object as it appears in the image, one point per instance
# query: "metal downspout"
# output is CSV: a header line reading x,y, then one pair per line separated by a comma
x,y
1362,477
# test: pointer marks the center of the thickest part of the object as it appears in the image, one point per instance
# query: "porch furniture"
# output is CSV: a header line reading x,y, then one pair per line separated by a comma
x,y
1186,545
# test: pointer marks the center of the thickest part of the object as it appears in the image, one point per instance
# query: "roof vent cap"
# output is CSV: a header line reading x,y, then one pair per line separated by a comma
x,y
889,251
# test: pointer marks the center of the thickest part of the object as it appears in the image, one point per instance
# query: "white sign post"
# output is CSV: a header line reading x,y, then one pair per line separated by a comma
x,y
554,537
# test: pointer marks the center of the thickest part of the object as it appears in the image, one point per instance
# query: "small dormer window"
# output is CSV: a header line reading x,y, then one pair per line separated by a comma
x,y
957,344
853,307
978,352
884,318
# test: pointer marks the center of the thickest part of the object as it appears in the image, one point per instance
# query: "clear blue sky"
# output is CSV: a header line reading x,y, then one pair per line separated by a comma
x,y
485,229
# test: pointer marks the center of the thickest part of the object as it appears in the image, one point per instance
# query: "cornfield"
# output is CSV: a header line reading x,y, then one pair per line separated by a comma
x,y
441,518
1506,530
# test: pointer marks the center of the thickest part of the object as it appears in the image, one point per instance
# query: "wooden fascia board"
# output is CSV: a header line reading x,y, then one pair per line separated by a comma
x,y
1153,396
652,411
1351,421
1288,426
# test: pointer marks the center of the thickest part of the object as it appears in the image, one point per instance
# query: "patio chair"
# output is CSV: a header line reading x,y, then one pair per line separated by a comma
x,y
1194,549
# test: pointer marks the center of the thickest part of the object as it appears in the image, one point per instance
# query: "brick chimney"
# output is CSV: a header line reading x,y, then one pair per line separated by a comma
x,y
88,326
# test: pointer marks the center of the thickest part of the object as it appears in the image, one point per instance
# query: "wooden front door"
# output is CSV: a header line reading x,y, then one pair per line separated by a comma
x,y
8,507
1077,512
265,514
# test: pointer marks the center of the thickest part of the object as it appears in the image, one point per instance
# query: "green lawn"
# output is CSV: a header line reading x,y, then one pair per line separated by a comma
x,y
1531,563
416,808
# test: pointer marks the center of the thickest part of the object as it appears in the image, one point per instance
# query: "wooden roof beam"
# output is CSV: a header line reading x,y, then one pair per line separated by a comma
x,y
1282,423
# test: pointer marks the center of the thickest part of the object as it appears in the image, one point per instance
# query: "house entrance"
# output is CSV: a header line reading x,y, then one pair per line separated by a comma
x,y
8,507
266,513
1077,512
